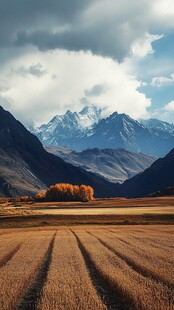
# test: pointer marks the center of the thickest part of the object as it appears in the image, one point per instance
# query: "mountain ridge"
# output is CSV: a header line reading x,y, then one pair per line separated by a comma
x,y
155,178
25,167
115,131
20,147
114,165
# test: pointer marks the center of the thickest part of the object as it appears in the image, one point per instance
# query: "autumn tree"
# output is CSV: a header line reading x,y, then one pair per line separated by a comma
x,y
76,192
67,192
40,196
86,193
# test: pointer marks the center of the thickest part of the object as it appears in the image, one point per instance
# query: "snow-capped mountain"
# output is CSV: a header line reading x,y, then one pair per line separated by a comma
x,y
63,129
120,130
26,168
115,131
158,125
87,129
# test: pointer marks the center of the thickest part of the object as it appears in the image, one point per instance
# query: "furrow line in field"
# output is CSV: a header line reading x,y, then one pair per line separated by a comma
x,y
10,255
139,244
153,244
161,241
30,299
156,243
68,284
122,240
113,299
134,266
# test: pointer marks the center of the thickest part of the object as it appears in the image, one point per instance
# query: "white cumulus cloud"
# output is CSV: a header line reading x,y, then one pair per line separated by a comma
x,y
71,77
143,46
170,106
161,81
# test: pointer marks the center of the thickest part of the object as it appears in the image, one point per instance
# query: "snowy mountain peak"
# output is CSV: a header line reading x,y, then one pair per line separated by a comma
x,y
87,129
91,110
114,115
89,116
63,128
70,113
158,125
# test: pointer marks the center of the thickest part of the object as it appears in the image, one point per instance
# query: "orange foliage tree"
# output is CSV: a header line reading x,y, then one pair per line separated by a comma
x,y
67,192
86,193
40,196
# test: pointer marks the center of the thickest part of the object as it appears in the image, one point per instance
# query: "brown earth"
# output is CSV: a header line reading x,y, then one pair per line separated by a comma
x,y
122,211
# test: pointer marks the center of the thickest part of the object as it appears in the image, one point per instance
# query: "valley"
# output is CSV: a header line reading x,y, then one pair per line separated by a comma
x,y
26,168
87,155
101,254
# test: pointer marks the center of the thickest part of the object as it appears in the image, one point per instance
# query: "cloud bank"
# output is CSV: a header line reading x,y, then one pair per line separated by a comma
x,y
107,28
57,55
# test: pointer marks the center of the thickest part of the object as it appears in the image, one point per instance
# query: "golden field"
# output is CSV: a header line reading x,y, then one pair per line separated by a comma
x,y
87,267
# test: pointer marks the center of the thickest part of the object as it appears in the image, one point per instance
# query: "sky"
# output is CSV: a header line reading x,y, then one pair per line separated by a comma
x,y
57,55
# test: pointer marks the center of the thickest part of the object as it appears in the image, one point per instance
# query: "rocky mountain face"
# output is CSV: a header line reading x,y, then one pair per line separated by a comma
x,y
156,125
87,129
156,178
67,129
26,167
114,165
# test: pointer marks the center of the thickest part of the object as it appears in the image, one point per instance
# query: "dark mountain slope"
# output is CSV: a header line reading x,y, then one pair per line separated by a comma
x,y
19,146
159,176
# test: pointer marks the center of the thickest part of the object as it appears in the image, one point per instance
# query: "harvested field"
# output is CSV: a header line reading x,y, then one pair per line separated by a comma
x,y
87,267
68,284
19,271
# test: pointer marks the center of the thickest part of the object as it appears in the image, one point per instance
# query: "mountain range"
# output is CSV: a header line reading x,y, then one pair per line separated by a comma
x,y
88,129
26,167
114,165
66,129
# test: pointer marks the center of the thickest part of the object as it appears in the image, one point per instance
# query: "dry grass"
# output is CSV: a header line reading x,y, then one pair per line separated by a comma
x,y
105,211
148,260
68,284
116,267
9,245
155,243
16,275
137,290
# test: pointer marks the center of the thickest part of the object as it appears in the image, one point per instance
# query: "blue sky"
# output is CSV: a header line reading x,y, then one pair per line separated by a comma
x,y
156,70
59,55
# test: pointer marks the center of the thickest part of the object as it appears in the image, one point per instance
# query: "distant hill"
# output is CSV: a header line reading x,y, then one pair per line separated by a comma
x,y
115,165
26,167
88,129
156,178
